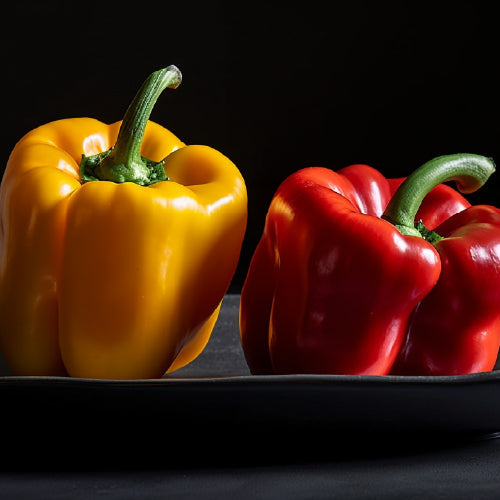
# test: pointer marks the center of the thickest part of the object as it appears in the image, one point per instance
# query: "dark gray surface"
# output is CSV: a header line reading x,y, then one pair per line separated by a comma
x,y
223,355
469,471
215,453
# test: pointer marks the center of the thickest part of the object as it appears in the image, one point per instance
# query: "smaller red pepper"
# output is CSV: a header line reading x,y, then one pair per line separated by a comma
x,y
455,329
341,267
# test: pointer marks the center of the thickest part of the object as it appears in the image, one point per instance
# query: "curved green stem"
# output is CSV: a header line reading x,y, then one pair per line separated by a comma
x,y
123,162
469,171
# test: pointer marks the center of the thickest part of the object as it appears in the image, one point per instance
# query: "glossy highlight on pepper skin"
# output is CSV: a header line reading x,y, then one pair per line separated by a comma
x,y
107,280
320,296
347,280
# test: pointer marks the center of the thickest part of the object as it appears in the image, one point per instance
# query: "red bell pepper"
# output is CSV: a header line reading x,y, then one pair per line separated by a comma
x,y
455,329
341,267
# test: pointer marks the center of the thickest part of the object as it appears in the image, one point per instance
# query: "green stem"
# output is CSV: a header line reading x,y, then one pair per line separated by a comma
x,y
469,171
123,162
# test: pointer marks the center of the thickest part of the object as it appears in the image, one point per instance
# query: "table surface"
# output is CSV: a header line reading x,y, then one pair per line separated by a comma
x,y
469,472
354,465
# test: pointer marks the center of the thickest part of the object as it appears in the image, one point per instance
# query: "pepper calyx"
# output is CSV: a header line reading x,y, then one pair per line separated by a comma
x,y
123,162
428,235
89,164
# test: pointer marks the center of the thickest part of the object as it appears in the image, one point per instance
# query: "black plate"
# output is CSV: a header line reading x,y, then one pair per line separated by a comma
x,y
216,402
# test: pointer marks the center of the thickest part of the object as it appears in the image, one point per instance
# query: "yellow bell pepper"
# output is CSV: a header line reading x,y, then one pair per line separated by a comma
x,y
112,264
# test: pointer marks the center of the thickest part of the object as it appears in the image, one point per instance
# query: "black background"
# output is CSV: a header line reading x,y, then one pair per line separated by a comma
x,y
274,86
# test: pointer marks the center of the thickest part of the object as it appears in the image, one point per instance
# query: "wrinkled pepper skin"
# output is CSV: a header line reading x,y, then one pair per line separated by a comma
x,y
332,285
113,280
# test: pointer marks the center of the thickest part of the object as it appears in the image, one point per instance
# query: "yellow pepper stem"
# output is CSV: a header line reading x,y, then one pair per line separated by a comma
x,y
123,162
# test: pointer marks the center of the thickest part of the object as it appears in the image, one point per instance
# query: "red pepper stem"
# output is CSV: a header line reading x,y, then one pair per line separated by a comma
x,y
123,162
468,170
